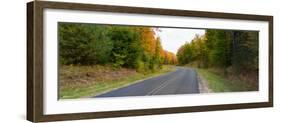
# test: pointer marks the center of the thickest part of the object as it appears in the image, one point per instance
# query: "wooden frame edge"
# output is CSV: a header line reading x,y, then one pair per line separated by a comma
x,y
142,112
153,11
35,60
270,48
30,88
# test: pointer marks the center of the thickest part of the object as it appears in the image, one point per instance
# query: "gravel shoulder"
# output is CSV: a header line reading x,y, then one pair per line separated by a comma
x,y
203,85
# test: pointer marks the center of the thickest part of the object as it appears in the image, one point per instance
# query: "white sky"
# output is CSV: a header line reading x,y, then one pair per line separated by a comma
x,y
173,38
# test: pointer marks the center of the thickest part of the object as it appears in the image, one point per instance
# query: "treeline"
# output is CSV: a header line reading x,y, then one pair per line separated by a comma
x,y
121,46
237,50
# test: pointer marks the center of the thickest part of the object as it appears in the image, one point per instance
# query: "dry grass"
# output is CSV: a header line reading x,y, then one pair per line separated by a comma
x,y
219,82
229,80
248,76
73,75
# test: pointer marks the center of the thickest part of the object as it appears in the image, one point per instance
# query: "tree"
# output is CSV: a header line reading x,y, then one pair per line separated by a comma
x,y
220,52
158,49
245,50
126,44
84,44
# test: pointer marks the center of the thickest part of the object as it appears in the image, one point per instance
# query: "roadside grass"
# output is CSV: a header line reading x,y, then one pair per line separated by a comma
x,y
89,81
220,83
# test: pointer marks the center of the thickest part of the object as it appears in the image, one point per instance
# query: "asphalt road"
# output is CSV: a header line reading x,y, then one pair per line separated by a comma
x,y
181,81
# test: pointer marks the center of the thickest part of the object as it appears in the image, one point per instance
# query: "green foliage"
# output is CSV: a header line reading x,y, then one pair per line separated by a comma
x,y
119,60
219,53
222,48
84,44
245,50
127,44
121,46
140,66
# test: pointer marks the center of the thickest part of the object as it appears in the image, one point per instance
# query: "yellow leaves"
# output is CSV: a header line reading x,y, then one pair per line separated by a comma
x,y
152,45
169,57
148,40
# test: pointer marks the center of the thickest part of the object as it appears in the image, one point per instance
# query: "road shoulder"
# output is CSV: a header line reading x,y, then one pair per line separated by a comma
x,y
203,84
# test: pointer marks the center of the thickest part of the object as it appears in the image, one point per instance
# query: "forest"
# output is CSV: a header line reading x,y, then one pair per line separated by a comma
x,y
235,53
121,46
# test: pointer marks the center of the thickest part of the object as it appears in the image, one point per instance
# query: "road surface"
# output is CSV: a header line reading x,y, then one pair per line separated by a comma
x,y
181,81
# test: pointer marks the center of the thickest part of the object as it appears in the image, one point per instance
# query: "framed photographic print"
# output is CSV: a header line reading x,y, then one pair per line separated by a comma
x,y
96,61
